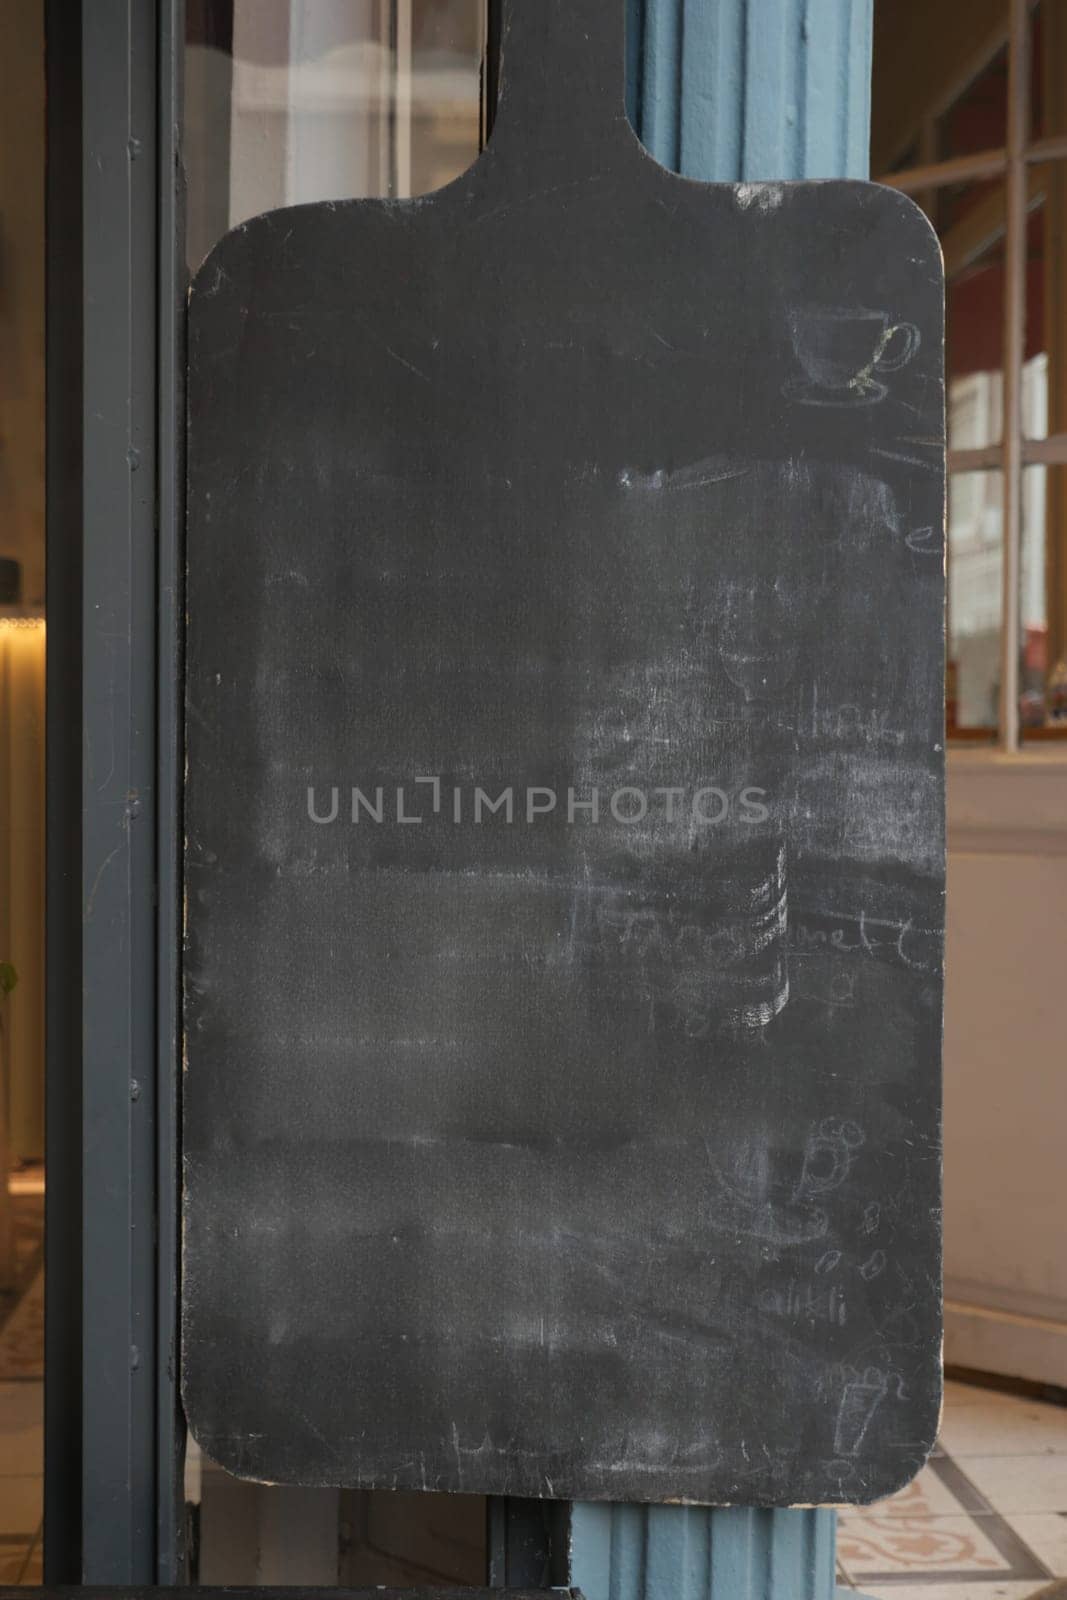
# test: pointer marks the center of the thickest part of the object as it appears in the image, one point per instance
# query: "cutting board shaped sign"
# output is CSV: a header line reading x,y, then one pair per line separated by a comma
x,y
564,855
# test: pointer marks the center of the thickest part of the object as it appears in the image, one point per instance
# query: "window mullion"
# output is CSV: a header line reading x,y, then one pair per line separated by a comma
x,y
943,174
977,458
1054,148
1045,452
1014,337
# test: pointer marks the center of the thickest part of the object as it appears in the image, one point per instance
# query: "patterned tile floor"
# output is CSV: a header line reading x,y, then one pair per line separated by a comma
x,y
985,1520
21,1390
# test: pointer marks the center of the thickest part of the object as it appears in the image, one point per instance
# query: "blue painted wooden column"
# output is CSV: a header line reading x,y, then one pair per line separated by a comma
x,y
734,91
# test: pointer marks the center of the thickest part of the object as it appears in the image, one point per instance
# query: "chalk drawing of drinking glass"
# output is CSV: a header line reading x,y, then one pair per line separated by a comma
x,y
843,351
740,977
776,1194
860,1399
769,589
759,633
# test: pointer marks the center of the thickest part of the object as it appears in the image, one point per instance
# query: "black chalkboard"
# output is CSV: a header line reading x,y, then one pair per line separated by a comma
x,y
547,1155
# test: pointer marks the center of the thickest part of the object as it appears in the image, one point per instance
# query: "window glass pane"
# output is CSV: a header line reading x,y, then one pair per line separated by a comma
x,y
974,322
911,157
1046,288
1046,52
975,525
979,205
290,101
978,118
939,80
1043,604
1046,303
975,522
22,796
446,60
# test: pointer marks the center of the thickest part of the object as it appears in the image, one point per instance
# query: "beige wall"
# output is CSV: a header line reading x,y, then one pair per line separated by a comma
x,y
1006,1065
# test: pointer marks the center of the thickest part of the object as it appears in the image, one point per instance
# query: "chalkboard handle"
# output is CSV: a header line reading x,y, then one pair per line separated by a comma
x,y
562,104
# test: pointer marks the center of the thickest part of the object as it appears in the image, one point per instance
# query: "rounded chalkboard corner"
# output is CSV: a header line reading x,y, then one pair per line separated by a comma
x,y
894,1471
883,1485
908,214
235,1453
252,239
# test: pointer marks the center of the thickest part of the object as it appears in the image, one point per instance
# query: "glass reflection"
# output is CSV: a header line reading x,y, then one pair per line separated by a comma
x,y
290,101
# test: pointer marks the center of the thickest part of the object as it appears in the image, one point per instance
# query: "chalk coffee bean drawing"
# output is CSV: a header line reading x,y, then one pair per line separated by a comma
x,y
874,1266
841,349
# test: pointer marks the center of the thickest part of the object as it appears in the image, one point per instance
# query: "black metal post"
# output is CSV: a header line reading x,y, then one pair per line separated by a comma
x,y
63,1200
170,1432
528,1543
119,725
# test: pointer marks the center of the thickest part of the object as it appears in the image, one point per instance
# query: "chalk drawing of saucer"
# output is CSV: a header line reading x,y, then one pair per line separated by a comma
x,y
812,394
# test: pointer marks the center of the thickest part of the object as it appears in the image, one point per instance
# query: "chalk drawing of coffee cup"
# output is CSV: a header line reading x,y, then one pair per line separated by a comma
x,y
753,1201
764,1195
841,349
828,1157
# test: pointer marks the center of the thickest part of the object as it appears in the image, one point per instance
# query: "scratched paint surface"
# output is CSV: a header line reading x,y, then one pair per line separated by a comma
x,y
528,1151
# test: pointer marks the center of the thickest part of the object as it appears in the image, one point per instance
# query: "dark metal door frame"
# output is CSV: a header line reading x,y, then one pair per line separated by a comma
x,y
113,1443
63,196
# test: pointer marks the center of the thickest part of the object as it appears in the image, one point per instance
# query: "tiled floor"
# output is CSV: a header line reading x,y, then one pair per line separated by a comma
x,y
986,1520
22,1392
